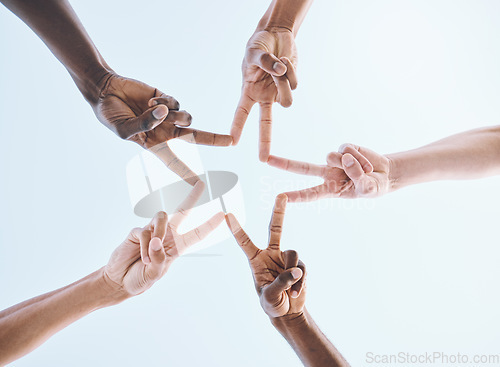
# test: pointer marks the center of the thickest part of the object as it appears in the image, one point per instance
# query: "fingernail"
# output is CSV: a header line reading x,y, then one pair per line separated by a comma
x,y
154,102
160,112
146,260
279,67
295,294
348,160
156,244
342,148
296,273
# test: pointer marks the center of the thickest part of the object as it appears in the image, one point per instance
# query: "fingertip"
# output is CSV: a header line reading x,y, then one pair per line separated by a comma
x,y
368,168
146,260
156,244
160,112
343,147
347,160
264,157
282,198
232,223
334,159
294,294
286,103
296,273
279,68
152,102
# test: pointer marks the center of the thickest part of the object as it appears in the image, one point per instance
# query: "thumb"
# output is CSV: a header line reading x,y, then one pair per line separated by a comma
x,y
157,256
268,62
145,122
284,281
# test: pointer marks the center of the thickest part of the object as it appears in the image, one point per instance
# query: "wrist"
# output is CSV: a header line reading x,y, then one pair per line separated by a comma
x,y
92,81
284,15
107,292
394,175
292,322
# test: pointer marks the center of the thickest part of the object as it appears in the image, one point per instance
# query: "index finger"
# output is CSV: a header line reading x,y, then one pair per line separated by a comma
x,y
310,194
194,136
185,207
265,131
302,168
276,224
173,163
242,238
240,117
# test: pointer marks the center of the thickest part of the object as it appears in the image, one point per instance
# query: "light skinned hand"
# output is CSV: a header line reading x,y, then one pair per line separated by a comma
x,y
352,172
279,276
147,253
140,113
268,76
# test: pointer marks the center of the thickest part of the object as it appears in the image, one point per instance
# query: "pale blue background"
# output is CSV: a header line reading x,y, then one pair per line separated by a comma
x,y
414,271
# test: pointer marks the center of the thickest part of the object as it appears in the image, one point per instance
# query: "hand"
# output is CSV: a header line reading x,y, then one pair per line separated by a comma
x,y
158,244
353,172
268,76
279,276
140,113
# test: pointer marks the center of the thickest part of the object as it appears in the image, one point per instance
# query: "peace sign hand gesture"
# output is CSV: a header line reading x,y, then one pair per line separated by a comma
x,y
279,276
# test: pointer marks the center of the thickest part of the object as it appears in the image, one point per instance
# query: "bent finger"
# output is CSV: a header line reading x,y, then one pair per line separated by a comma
x,y
267,62
168,101
144,239
298,287
180,118
291,72
284,97
282,283
354,150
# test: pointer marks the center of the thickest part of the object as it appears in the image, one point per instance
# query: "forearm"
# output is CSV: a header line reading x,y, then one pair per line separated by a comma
x,y
24,329
287,14
309,343
469,155
55,22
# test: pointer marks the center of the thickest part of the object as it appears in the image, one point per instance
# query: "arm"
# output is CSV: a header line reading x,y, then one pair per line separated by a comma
x,y
131,109
142,259
470,155
355,172
269,68
309,343
26,326
287,14
55,22
280,282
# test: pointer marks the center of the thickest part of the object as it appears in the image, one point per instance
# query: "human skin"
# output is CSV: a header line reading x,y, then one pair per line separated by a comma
x,y
357,172
280,281
131,109
268,68
26,326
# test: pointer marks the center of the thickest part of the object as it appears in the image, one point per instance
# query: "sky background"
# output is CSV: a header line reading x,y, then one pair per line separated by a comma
x,y
416,271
